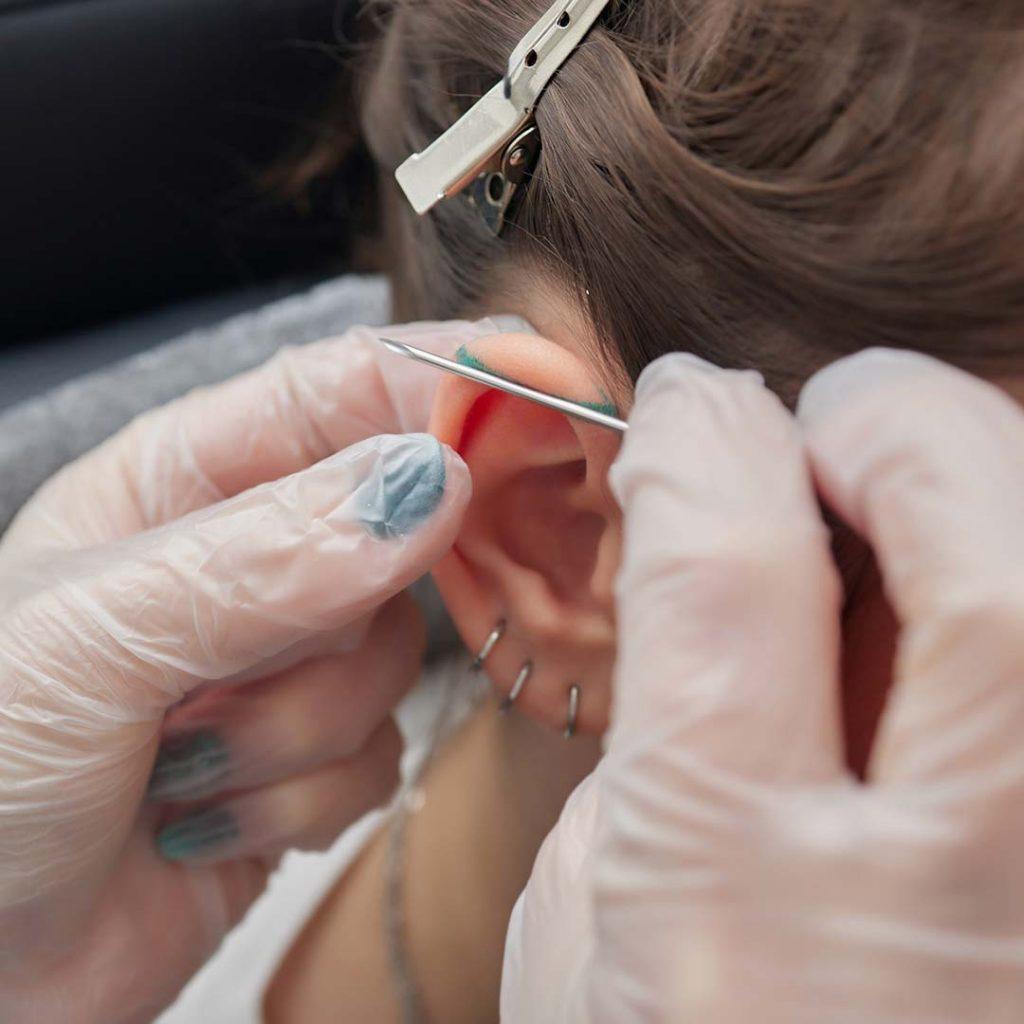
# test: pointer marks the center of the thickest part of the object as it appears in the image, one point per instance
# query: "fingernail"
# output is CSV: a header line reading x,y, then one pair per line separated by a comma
x,y
409,489
189,765
841,381
198,834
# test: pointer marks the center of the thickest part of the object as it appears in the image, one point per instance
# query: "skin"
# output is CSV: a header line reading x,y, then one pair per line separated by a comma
x,y
465,869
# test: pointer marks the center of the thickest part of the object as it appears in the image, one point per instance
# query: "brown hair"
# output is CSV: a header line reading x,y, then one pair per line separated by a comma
x,y
763,182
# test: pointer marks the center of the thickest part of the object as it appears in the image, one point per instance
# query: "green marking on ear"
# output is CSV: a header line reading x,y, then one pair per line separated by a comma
x,y
607,406
466,358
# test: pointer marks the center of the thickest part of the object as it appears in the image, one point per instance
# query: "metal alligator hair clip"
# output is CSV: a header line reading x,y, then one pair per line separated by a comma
x,y
494,145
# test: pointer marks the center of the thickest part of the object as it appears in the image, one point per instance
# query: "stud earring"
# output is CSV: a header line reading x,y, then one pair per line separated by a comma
x,y
574,711
517,686
489,644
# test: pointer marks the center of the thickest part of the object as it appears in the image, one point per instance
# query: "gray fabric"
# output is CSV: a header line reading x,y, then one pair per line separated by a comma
x,y
39,436
32,368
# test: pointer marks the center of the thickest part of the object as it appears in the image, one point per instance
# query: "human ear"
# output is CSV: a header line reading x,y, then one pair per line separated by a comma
x,y
539,546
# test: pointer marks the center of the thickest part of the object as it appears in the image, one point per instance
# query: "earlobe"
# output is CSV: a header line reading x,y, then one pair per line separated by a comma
x,y
539,545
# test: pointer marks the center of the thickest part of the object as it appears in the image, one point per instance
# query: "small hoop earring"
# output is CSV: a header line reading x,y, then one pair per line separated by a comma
x,y
574,711
517,686
489,644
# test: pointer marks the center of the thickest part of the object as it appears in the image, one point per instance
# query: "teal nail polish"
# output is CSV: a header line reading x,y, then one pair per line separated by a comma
x,y
198,834
466,358
189,765
410,489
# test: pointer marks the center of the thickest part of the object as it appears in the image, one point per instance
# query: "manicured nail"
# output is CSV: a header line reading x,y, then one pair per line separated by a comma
x,y
408,490
198,834
189,765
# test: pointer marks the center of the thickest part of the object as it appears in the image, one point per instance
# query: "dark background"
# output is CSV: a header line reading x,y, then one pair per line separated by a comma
x,y
134,136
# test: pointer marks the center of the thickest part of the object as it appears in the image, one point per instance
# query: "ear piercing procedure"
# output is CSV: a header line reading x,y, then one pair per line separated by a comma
x,y
485,652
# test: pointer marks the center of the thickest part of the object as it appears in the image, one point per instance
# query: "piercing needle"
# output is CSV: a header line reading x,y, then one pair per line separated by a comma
x,y
491,380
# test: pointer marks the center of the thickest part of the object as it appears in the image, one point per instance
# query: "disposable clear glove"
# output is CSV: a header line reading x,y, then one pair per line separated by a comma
x,y
254,533
722,865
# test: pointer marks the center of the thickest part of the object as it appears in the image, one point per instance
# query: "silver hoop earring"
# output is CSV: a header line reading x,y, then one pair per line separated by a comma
x,y
574,711
489,644
517,686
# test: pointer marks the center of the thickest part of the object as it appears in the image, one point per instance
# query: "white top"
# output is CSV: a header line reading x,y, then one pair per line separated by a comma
x,y
231,987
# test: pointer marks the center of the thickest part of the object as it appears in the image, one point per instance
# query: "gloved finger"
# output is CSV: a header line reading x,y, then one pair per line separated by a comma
x,y
187,915
310,715
306,812
550,937
301,407
728,600
927,463
227,588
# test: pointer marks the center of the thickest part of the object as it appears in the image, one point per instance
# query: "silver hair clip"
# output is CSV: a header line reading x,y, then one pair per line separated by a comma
x,y
494,145
493,191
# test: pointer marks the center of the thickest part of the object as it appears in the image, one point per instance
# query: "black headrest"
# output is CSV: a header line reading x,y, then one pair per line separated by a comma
x,y
131,133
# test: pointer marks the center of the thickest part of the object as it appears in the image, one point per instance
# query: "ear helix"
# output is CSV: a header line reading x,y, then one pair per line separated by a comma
x,y
523,677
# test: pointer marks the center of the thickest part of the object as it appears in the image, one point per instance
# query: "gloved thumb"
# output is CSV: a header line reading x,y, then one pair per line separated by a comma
x,y
225,589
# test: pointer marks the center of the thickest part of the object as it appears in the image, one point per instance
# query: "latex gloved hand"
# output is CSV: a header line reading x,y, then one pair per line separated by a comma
x,y
721,865
218,539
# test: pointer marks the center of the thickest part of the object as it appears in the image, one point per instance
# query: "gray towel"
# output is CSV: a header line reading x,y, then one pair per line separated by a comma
x,y
39,436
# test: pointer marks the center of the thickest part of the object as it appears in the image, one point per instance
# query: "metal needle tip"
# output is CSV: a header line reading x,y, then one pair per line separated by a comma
x,y
394,346
492,380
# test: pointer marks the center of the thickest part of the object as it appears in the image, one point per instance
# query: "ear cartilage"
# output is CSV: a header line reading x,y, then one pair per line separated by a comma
x,y
517,686
492,380
489,644
574,711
